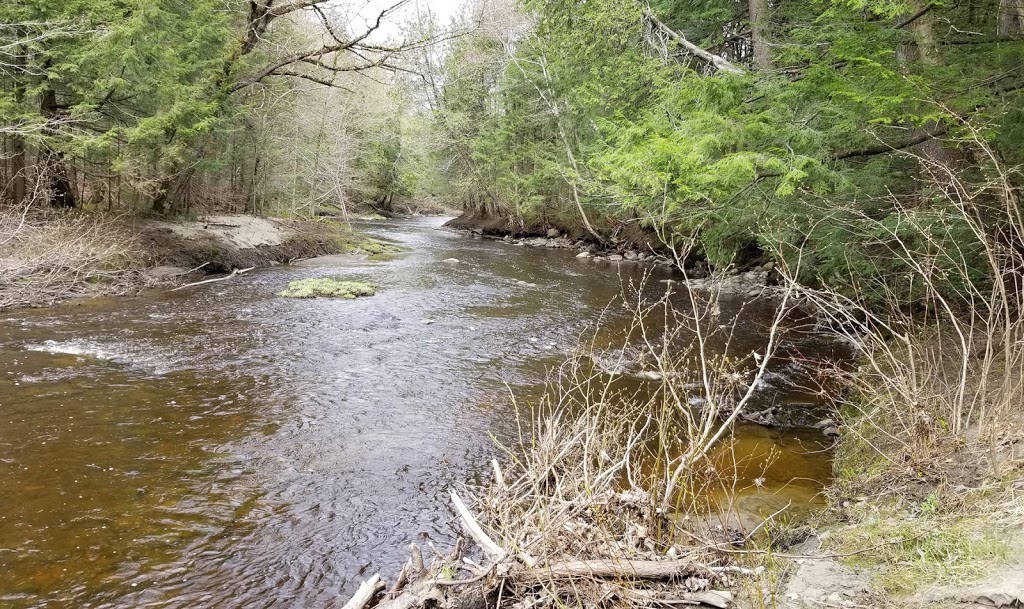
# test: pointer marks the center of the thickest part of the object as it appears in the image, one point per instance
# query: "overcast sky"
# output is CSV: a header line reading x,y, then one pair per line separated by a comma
x,y
443,9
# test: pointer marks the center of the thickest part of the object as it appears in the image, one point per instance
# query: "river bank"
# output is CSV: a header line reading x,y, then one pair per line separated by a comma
x,y
49,257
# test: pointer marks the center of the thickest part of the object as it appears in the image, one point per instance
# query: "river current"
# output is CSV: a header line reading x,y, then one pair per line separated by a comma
x,y
222,447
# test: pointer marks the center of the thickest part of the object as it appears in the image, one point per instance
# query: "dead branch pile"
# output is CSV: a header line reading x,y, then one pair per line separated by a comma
x,y
570,521
47,258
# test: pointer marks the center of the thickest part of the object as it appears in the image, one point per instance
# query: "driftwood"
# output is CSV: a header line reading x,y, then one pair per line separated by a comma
x,y
618,569
365,593
234,273
416,587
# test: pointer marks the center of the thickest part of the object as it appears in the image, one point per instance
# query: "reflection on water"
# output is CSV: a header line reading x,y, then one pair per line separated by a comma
x,y
220,447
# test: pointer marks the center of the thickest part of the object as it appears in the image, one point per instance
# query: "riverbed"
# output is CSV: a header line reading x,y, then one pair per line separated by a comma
x,y
222,447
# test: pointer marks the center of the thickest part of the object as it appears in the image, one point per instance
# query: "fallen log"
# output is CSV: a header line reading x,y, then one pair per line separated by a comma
x,y
365,593
630,580
616,569
234,273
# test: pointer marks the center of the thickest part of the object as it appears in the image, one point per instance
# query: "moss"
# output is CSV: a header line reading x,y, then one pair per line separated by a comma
x,y
327,287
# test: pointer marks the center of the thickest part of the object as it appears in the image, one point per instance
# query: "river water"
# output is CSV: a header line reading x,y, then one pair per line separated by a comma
x,y
222,447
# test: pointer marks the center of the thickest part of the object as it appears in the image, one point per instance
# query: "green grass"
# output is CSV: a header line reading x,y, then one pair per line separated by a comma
x,y
327,287
911,551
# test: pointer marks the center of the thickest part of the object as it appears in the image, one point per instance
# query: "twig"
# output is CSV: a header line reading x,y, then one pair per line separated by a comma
x,y
234,273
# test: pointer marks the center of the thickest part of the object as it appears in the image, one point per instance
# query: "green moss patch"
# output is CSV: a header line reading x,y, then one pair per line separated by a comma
x,y
327,287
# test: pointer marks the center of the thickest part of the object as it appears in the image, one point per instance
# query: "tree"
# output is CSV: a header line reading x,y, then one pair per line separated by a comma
x,y
142,93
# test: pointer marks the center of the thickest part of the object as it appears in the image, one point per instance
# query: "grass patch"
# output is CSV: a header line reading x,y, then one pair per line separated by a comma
x,y
327,287
913,550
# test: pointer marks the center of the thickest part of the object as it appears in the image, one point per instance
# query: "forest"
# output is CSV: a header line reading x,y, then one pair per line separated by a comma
x,y
758,129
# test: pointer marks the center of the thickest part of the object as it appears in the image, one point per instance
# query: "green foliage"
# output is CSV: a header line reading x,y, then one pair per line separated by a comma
x,y
589,104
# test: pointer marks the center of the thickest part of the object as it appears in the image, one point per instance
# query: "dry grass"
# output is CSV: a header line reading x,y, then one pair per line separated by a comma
x,y
48,257
930,467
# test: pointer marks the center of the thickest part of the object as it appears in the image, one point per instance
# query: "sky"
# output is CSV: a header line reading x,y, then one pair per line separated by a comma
x,y
443,9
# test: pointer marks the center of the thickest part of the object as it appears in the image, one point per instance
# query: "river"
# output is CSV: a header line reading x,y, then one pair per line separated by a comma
x,y
222,447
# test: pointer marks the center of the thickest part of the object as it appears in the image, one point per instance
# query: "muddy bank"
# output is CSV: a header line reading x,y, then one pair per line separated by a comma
x,y
627,244
626,240
222,243
48,257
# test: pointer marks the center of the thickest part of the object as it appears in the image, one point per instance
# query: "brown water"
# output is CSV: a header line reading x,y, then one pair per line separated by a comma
x,y
220,447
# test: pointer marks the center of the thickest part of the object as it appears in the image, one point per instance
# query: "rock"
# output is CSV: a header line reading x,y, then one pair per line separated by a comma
x,y
554,233
630,255
831,431
822,424
537,242
450,261
551,243
584,255
615,258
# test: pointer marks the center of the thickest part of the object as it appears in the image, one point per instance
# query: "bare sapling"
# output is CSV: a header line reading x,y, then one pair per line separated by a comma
x,y
588,507
941,345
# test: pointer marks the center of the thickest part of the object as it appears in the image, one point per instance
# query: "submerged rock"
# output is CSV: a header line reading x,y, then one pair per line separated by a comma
x,y
584,255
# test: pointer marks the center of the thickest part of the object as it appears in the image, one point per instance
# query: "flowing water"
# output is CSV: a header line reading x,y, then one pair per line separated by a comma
x,y
222,447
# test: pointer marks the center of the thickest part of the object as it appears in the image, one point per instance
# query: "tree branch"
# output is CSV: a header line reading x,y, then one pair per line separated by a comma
x,y
914,17
718,61
262,14
885,147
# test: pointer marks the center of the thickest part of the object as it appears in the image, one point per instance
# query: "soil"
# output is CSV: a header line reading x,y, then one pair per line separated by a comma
x,y
48,258
225,242
822,581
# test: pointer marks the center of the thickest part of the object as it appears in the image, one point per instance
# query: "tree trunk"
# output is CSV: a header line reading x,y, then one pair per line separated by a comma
x,y
19,181
163,195
1010,21
923,30
758,34
54,165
